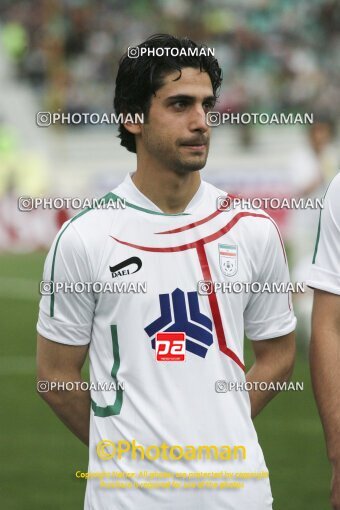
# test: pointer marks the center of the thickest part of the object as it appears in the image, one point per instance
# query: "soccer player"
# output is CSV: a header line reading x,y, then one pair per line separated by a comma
x,y
324,277
177,346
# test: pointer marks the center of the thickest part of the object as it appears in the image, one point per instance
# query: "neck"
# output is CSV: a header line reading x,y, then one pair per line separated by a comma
x,y
170,191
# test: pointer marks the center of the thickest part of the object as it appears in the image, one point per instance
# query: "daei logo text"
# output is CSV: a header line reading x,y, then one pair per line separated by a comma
x,y
170,346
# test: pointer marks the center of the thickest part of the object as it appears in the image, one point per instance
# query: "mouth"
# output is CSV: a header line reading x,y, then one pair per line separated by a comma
x,y
195,145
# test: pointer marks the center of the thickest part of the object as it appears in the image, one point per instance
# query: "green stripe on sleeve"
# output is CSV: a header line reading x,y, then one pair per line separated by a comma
x,y
115,408
105,199
319,228
317,239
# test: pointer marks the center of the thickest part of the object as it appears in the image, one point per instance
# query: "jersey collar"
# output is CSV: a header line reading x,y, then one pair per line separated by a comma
x,y
130,192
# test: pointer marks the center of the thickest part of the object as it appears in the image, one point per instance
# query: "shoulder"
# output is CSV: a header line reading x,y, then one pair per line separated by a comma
x,y
329,224
97,218
328,233
256,229
242,208
88,231
332,196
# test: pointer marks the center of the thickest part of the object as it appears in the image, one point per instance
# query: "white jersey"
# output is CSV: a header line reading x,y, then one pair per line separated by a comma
x,y
325,270
173,345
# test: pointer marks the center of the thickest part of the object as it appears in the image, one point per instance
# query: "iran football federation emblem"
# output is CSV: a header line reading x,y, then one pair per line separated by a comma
x,y
228,259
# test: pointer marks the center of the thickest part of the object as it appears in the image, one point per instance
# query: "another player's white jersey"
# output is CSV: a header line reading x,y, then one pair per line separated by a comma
x,y
169,346
325,270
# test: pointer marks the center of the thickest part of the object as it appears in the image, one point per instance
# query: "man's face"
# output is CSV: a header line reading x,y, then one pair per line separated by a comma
x,y
176,134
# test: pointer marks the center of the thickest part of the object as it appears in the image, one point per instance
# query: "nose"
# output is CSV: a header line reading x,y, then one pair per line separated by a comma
x,y
198,119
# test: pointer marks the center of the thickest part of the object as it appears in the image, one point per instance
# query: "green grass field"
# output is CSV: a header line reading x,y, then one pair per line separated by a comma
x,y
40,456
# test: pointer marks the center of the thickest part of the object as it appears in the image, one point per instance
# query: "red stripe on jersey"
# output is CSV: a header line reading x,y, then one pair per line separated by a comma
x,y
222,342
209,238
199,222
284,254
282,245
192,225
204,240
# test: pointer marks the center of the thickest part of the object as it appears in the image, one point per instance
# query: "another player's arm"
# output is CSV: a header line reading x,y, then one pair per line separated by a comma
x,y
58,362
274,362
325,370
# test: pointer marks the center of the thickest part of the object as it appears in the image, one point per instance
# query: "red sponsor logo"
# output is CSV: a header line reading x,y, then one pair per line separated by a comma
x,y
170,346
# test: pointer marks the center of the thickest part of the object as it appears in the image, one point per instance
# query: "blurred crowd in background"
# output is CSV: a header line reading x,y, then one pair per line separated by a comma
x,y
282,55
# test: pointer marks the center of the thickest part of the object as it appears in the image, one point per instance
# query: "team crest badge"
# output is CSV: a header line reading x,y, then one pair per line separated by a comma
x,y
228,259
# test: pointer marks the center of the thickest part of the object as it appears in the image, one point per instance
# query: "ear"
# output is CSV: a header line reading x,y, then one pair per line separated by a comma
x,y
133,123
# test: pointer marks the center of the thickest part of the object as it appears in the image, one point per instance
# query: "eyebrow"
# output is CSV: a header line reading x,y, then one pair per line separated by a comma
x,y
185,97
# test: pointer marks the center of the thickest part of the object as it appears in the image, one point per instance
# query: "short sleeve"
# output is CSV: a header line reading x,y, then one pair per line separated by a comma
x,y
270,314
324,273
65,316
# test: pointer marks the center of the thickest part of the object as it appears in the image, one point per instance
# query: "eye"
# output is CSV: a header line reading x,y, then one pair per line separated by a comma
x,y
180,104
209,105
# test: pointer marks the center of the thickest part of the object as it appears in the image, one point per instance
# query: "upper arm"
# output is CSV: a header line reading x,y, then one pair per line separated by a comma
x,y
56,360
326,313
277,350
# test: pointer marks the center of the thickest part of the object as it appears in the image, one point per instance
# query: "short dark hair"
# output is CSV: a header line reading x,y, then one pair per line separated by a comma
x,y
139,78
